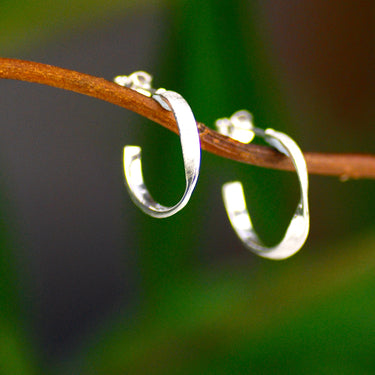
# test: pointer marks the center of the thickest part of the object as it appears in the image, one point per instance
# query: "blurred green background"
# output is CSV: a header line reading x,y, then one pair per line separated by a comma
x,y
91,285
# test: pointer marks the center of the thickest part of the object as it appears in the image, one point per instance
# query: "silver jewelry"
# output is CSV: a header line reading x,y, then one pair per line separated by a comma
x,y
240,127
190,144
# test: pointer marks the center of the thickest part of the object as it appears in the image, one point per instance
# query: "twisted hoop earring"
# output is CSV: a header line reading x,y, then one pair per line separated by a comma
x,y
240,127
190,144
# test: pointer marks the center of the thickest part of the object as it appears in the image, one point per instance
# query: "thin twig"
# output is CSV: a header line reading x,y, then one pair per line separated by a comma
x,y
343,165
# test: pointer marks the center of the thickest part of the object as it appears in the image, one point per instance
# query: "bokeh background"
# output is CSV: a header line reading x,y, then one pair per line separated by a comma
x,y
91,285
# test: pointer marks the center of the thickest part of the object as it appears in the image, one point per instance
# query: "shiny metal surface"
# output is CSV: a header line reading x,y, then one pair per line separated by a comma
x,y
235,204
190,144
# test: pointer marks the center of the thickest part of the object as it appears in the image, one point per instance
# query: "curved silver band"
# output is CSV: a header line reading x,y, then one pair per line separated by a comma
x,y
191,152
235,204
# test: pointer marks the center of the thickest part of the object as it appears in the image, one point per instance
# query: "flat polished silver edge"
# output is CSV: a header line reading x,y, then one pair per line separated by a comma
x,y
298,229
191,152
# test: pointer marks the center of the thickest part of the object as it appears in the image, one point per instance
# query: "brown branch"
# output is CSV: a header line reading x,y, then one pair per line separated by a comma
x,y
343,165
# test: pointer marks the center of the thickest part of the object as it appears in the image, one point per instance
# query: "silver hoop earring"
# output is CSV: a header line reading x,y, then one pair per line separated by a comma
x,y
240,127
190,144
